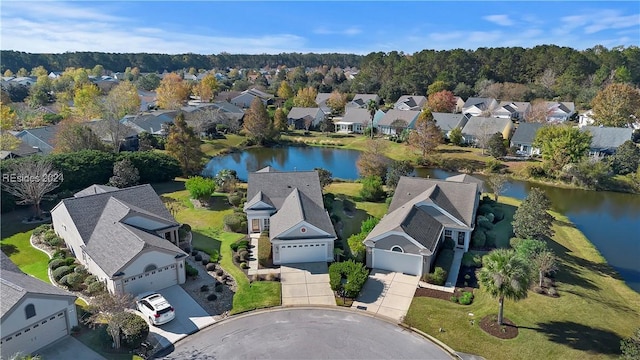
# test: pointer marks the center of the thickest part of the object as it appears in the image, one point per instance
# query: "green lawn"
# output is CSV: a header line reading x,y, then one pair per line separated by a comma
x,y
347,191
217,146
15,244
594,311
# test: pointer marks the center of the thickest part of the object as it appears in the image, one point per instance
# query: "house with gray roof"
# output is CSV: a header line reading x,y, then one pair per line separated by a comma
x,y
514,110
321,100
449,121
361,100
523,138
481,128
422,215
606,140
42,138
475,106
355,120
410,102
244,99
125,237
289,206
22,150
33,314
560,111
153,122
303,117
396,121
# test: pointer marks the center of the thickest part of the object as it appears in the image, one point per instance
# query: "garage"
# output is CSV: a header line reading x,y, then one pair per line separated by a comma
x,y
36,335
301,253
153,280
397,261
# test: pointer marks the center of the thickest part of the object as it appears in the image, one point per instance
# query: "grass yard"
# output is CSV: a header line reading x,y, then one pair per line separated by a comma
x,y
595,310
346,191
217,146
15,244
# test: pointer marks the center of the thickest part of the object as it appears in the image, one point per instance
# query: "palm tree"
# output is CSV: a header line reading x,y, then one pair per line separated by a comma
x,y
372,106
504,274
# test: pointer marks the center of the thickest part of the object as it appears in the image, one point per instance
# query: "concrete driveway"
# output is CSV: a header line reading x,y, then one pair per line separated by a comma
x,y
68,348
387,293
306,284
190,317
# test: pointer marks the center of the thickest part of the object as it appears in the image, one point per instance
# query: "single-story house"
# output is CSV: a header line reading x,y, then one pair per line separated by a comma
x,y
475,106
410,102
560,111
395,121
449,121
422,215
299,117
289,205
355,120
22,150
154,122
321,100
246,97
606,140
33,314
586,119
361,100
148,99
523,138
125,237
479,127
42,138
459,104
514,110
465,178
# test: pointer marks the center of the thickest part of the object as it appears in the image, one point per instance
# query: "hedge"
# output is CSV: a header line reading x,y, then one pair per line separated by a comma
x,y
354,273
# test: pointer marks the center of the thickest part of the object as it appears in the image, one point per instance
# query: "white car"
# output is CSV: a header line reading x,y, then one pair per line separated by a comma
x,y
155,307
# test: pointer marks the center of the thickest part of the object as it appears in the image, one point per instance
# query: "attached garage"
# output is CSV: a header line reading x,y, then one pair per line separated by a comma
x,y
301,253
152,280
397,261
36,336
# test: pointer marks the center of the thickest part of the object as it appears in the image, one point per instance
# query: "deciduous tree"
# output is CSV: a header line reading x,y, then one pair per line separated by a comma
x,y
626,159
498,183
257,124
326,177
371,161
86,102
306,97
74,136
496,146
280,120
396,170
455,136
122,100
616,105
207,88
436,87
172,92
284,91
200,188
184,145
545,263
426,135
532,219
30,180
539,112
561,145
336,102
504,275
442,101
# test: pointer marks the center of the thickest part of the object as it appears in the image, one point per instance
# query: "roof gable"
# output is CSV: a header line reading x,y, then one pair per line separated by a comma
x,y
525,133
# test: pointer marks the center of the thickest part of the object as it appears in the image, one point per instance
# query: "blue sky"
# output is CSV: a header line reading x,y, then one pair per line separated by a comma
x,y
208,27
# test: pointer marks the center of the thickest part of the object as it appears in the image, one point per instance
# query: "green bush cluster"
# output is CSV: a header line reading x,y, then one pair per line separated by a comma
x,y
73,280
438,277
238,245
60,272
355,275
236,222
133,329
472,260
372,189
56,263
466,298
41,229
53,240
95,287
479,239
235,199
190,270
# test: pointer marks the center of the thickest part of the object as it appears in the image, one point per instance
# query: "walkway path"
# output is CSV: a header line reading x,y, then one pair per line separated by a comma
x,y
452,279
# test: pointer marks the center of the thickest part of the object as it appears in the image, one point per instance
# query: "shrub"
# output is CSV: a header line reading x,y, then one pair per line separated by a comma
x,y
454,299
219,288
490,238
210,266
484,209
356,247
59,254
134,329
354,273
198,257
41,229
69,261
491,217
439,276
205,261
95,287
467,277
204,288
472,260
81,270
273,277
190,270
236,222
466,298
243,265
372,189
493,165
60,272
212,297
74,280
449,244
235,199
479,239
498,214
53,240
484,222
90,279
219,272
56,263
244,255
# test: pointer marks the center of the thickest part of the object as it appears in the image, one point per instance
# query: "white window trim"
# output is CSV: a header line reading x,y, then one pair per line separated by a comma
x,y
397,247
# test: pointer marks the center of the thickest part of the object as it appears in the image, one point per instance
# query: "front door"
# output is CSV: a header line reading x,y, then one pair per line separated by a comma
x,y
461,236
255,225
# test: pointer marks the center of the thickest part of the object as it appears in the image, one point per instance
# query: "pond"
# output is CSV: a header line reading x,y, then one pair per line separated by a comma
x,y
611,221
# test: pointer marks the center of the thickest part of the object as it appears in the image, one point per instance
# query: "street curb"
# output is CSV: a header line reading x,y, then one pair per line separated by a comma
x,y
386,319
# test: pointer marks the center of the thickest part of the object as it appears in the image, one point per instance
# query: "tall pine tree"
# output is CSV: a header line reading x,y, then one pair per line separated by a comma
x,y
184,145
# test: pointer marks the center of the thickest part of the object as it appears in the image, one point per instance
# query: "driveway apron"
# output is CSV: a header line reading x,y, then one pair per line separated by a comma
x,y
387,293
306,284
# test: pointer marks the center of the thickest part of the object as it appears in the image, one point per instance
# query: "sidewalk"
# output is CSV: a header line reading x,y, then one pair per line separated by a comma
x,y
253,261
452,279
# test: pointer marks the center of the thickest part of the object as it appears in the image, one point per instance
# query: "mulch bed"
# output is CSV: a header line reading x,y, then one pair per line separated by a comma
x,y
508,330
437,294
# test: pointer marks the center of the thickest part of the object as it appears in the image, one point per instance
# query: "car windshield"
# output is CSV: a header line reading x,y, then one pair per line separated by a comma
x,y
165,310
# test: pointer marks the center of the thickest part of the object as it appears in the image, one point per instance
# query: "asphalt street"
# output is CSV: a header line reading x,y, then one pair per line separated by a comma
x,y
305,334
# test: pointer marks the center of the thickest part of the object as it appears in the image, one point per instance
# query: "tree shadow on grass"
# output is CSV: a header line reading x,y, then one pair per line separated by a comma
x,y
569,268
581,337
205,243
9,249
168,187
602,269
445,150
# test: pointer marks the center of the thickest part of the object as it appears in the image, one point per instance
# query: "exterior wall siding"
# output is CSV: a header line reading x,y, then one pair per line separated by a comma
x,y
45,307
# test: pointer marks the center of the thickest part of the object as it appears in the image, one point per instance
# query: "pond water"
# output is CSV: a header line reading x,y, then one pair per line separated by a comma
x,y
611,221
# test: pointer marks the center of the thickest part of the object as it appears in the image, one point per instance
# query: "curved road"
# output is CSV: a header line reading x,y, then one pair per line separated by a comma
x,y
306,334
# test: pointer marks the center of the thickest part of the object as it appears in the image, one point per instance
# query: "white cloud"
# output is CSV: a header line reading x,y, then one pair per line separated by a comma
x,y
499,19
350,31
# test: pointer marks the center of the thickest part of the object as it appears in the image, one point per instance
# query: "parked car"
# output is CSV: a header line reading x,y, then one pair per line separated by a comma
x,y
155,307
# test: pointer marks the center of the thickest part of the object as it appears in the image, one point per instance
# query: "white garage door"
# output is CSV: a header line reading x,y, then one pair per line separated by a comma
x,y
397,261
301,253
152,280
36,336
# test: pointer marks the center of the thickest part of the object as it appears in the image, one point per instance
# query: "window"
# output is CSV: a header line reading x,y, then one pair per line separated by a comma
x,y
448,235
461,237
30,311
397,248
266,223
150,267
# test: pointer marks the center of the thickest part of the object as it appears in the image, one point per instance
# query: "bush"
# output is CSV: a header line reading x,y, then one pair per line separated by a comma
x,y
190,270
439,276
449,244
56,263
236,222
491,217
243,265
484,209
73,280
134,329
205,261
479,239
234,199
490,238
95,287
219,272
244,255
204,288
219,288
493,165
69,261
61,271
198,257
41,229
454,299
59,254
273,277
484,222
498,214
538,290
90,279
372,189
80,269
472,260
466,298
212,297
210,266
53,240
354,273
